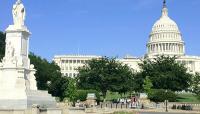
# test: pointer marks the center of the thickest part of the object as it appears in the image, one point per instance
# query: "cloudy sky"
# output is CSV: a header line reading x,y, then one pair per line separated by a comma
x,y
101,27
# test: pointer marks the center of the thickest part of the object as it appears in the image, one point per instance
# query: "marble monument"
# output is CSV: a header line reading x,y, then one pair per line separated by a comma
x,y
18,87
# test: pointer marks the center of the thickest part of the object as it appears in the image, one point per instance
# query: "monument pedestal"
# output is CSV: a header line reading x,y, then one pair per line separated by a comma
x,y
18,86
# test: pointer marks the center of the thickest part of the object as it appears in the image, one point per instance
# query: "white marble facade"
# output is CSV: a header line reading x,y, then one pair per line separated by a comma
x,y
70,63
18,87
164,39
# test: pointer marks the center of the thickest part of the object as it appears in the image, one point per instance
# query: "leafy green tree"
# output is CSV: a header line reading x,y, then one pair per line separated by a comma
x,y
196,84
105,74
58,87
160,95
43,73
165,73
2,44
139,82
147,85
48,76
71,91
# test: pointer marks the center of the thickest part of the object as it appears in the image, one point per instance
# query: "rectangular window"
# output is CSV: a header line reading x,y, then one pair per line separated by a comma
x,y
63,61
70,61
70,74
66,68
82,61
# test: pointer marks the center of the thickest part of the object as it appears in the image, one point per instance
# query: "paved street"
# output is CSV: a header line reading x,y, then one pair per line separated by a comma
x,y
160,113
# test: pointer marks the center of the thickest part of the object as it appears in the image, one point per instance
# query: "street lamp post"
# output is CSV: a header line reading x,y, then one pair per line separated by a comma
x,y
166,102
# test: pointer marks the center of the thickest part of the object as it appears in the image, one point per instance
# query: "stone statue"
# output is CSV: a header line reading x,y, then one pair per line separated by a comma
x,y
10,50
19,13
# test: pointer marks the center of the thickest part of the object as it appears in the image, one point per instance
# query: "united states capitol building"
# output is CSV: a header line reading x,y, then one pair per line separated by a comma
x,y
164,39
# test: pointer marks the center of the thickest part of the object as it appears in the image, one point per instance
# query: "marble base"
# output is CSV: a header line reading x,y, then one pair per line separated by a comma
x,y
40,98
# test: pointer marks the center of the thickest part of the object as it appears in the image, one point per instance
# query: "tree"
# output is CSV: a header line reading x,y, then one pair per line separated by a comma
x,y
2,44
165,73
71,91
105,74
58,87
48,76
147,85
196,84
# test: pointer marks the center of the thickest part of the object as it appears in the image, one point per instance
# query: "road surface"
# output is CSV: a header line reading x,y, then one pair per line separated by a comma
x,y
159,113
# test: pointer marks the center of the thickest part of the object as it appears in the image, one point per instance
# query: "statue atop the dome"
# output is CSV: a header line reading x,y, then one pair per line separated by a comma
x,y
164,3
19,13
164,9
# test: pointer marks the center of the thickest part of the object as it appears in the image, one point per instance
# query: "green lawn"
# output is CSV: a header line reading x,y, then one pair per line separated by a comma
x,y
114,95
124,113
183,97
186,97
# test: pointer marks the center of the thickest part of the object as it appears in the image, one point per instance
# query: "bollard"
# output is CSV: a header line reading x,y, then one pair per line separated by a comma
x,y
116,105
111,105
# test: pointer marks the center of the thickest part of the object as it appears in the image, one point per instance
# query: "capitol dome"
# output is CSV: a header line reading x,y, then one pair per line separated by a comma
x,y
165,38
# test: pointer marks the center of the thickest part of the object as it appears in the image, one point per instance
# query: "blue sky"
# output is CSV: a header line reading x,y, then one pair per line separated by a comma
x,y
101,27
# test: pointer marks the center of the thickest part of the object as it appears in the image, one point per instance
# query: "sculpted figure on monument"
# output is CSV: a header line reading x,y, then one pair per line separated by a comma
x,y
19,13
10,50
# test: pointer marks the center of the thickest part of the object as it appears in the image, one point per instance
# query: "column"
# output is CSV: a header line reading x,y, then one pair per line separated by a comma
x,y
181,48
161,48
176,50
156,47
149,49
167,47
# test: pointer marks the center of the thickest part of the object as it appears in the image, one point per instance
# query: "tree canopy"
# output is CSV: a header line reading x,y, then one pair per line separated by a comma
x,y
196,84
48,76
165,73
2,44
105,74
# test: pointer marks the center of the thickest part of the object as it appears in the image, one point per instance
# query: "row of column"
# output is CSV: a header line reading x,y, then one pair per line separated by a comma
x,y
165,35
163,47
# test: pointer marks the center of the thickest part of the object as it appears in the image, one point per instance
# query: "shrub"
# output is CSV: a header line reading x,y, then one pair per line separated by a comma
x,y
186,107
174,107
198,96
160,95
82,94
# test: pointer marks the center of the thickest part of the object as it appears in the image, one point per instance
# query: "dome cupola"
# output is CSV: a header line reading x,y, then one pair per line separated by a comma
x,y
165,38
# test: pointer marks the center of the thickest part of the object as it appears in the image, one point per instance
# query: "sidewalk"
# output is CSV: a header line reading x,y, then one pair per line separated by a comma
x,y
110,111
169,111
